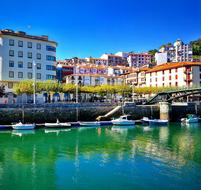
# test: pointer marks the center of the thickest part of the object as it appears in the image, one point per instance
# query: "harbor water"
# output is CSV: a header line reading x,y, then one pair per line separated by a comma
x,y
112,158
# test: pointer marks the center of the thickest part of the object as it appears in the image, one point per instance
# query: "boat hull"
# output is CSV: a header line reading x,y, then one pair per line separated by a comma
x,y
124,123
57,125
23,127
90,124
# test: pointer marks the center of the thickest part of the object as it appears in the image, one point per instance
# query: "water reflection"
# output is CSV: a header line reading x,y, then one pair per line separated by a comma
x,y
20,133
68,158
57,131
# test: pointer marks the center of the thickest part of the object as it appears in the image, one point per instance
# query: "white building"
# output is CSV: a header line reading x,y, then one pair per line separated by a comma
x,y
178,52
94,79
114,60
136,59
97,61
18,52
180,74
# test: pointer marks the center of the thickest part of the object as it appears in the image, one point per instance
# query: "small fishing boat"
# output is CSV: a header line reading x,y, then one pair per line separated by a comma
x,y
57,125
146,120
90,124
21,126
123,120
191,118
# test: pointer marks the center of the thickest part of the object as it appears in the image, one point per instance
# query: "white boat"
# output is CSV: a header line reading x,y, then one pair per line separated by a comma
x,y
158,122
123,120
57,125
90,123
21,126
191,118
146,120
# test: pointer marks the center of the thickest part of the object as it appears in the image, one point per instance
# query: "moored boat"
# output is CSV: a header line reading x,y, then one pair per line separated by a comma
x,y
21,126
57,125
191,118
123,120
90,123
146,120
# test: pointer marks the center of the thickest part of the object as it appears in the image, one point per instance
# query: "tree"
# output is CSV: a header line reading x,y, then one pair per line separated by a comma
x,y
2,90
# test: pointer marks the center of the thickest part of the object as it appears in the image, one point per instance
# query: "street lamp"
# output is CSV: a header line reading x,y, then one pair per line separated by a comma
x,y
133,91
34,83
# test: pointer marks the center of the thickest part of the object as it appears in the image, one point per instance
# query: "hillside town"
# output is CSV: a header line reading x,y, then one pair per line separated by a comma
x,y
27,57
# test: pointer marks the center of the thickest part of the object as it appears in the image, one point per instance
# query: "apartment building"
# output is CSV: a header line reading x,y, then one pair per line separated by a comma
x,y
114,60
182,74
179,52
94,79
137,77
97,61
177,74
24,56
136,59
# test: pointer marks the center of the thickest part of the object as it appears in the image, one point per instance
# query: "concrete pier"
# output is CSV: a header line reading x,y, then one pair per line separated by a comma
x,y
165,109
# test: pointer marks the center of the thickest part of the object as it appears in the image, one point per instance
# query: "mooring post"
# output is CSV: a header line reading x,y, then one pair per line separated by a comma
x,y
165,109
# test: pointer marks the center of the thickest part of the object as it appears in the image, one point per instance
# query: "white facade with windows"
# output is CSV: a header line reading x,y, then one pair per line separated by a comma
x,y
136,59
181,74
18,52
178,52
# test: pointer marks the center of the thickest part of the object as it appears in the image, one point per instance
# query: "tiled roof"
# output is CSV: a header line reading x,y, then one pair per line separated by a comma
x,y
24,35
167,66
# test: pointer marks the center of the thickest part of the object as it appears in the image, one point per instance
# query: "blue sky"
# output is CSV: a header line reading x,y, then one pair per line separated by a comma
x,y
91,27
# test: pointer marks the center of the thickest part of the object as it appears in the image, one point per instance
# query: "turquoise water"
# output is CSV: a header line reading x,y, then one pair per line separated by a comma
x,y
102,158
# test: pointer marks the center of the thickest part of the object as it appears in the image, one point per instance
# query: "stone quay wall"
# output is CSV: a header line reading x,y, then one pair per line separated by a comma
x,y
88,112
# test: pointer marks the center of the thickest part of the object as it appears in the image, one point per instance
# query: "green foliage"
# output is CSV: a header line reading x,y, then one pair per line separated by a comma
x,y
196,47
102,90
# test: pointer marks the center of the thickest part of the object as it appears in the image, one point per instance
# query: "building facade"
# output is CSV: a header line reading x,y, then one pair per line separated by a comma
x,y
136,59
114,60
179,52
179,74
24,57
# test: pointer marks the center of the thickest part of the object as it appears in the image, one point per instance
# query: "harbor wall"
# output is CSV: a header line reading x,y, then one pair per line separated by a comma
x,y
88,112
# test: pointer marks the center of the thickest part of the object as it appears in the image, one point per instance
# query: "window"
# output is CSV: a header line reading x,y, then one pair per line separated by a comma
x,y
11,53
30,75
50,58
176,83
38,56
50,48
11,63
29,55
50,77
176,77
11,42
20,43
11,74
176,70
50,67
29,65
20,74
38,46
38,76
20,53
163,78
169,70
38,66
20,64
29,44
170,77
